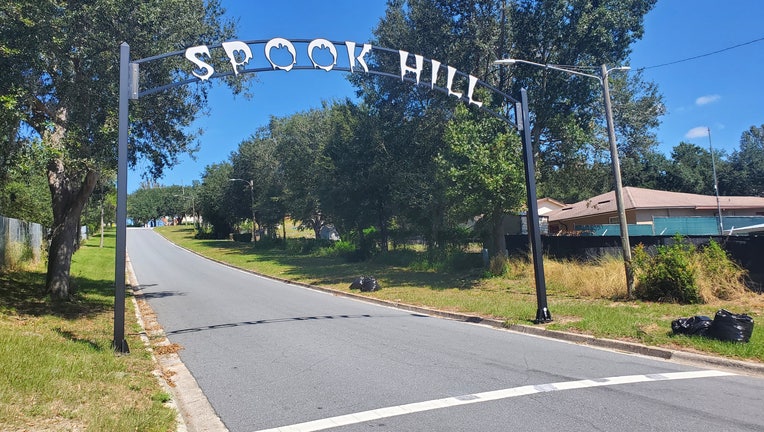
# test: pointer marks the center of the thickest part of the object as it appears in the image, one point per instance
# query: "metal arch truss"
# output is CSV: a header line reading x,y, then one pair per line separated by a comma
x,y
279,54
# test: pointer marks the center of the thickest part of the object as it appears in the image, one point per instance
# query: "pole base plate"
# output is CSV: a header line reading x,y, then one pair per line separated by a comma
x,y
542,316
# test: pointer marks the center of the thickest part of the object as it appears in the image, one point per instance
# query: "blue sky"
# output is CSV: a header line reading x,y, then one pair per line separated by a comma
x,y
723,92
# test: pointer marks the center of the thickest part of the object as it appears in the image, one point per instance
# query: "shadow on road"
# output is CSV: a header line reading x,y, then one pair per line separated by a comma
x,y
284,320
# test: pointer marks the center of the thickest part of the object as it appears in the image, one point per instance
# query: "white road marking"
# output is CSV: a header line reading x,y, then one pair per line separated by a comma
x,y
380,413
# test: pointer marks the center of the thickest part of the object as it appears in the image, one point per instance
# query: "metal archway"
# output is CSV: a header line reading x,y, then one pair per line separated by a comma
x,y
345,56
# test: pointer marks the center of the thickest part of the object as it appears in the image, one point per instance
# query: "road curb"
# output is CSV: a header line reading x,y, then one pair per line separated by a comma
x,y
194,412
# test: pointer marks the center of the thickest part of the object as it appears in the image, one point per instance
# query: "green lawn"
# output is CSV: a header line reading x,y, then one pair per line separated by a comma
x,y
511,299
59,371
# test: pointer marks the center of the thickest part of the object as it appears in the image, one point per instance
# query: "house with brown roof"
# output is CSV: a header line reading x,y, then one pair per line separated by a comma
x,y
645,206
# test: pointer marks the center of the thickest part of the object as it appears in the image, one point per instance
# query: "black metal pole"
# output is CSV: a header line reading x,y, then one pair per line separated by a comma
x,y
119,344
532,217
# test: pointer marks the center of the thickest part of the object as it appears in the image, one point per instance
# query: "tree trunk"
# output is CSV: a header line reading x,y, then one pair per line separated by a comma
x,y
498,242
100,245
69,198
384,232
317,226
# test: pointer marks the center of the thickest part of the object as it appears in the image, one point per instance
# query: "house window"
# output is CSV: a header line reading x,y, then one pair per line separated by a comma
x,y
613,220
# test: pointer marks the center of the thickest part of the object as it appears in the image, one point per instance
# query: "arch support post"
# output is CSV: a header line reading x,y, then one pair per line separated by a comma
x,y
119,343
532,217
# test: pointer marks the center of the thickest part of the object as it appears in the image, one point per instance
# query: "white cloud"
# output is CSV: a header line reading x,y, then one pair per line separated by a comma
x,y
697,132
705,100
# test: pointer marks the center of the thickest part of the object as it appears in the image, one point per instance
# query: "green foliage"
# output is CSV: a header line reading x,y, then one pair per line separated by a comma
x,y
161,397
685,274
669,275
485,171
213,196
306,246
256,162
745,175
690,170
60,86
24,192
151,203
569,133
301,140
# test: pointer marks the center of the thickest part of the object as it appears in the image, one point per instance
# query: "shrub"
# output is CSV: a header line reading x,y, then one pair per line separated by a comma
x,y
681,273
669,276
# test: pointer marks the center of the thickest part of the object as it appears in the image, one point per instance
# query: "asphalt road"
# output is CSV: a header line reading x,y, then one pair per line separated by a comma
x,y
272,355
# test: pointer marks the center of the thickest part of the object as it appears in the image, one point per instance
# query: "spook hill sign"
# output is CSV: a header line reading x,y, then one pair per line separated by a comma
x,y
283,54
278,54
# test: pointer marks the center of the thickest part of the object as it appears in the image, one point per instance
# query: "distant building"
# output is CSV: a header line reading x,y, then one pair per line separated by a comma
x,y
653,212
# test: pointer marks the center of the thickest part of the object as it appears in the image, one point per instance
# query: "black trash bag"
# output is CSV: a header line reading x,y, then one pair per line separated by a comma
x,y
728,326
357,283
692,326
365,284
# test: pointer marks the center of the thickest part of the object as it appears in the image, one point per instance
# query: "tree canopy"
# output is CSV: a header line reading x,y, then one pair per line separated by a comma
x,y
60,85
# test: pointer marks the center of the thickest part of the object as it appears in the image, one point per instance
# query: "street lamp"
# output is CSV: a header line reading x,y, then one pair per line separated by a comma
x,y
251,185
603,79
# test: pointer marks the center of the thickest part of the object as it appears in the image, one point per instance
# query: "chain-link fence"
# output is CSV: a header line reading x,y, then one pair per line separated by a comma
x,y
20,242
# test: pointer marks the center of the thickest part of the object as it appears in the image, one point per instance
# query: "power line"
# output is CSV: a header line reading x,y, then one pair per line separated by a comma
x,y
703,55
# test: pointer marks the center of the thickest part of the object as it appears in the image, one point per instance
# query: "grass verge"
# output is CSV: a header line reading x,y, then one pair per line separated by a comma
x,y
582,298
59,371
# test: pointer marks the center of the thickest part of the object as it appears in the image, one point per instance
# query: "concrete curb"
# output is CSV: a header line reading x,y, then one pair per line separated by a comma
x,y
195,414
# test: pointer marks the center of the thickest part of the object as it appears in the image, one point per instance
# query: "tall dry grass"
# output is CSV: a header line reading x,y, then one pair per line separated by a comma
x,y
602,278
718,278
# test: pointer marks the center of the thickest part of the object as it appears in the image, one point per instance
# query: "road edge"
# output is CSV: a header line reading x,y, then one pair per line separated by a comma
x,y
194,411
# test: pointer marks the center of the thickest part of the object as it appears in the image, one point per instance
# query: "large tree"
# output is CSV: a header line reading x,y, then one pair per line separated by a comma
x,y
412,119
746,174
256,161
61,61
484,164
568,127
214,200
301,140
690,170
568,130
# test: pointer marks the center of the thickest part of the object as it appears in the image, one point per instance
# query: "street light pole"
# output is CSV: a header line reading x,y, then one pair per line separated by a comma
x,y
603,80
251,184
625,244
716,183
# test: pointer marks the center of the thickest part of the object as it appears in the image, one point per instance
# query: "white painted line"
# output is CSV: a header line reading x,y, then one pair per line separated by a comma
x,y
380,413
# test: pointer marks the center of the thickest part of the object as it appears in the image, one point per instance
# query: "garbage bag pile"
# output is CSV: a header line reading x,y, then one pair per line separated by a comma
x,y
365,284
726,326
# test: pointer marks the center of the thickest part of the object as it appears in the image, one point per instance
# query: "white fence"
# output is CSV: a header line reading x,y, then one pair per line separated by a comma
x,y
20,241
